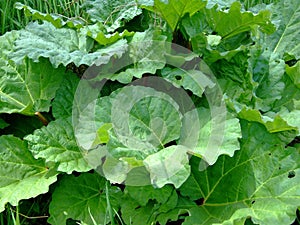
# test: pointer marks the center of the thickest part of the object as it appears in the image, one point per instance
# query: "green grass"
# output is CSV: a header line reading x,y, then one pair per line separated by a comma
x,y
9,217
13,19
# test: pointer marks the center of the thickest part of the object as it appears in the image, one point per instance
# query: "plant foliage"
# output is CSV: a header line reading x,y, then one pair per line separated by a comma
x,y
154,112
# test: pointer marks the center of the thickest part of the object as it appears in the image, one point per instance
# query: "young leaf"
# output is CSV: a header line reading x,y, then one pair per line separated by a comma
x,y
22,176
83,198
56,143
262,176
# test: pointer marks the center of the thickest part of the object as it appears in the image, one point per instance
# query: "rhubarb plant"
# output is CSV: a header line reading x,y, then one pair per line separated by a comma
x,y
153,112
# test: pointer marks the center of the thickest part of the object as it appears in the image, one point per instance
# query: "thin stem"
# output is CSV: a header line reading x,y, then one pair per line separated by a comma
x,y
42,118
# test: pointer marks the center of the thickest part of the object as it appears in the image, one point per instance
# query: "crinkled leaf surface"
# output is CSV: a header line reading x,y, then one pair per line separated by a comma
x,y
29,87
56,19
22,176
112,13
262,177
56,143
62,46
172,11
7,43
83,198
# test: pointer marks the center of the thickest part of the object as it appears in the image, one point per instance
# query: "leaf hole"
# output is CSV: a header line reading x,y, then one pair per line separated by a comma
x,y
137,207
177,77
291,174
199,201
253,202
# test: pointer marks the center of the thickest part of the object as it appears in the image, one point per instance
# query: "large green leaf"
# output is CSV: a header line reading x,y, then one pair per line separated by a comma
x,y
84,198
22,176
25,88
261,177
56,19
29,87
56,143
145,119
286,39
112,13
173,10
62,46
